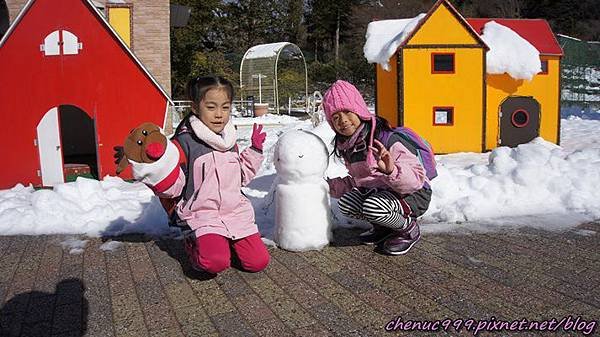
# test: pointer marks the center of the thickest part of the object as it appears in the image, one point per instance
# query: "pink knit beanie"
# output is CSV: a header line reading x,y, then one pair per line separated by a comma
x,y
343,96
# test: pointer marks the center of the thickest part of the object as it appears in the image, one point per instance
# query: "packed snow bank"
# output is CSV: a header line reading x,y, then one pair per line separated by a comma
x,y
509,53
384,37
109,207
536,184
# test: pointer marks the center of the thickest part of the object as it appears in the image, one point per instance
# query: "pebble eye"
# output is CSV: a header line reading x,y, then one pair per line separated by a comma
x,y
144,132
139,142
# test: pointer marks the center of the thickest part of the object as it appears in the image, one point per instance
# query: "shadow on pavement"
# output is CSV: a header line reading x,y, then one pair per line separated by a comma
x,y
36,313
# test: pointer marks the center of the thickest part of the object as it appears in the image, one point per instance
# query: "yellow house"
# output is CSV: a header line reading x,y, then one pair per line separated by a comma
x,y
437,85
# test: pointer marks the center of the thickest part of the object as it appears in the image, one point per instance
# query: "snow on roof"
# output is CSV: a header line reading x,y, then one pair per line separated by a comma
x,y
509,53
536,31
265,50
385,36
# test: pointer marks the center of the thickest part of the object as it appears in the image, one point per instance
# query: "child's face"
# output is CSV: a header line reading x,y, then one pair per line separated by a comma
x,y
345,122
214,109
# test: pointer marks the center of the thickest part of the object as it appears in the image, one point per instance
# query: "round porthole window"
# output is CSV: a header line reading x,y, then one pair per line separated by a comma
x,y
520,118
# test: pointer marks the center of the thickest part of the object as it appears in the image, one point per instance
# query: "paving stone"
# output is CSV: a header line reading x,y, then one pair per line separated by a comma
x,y
215,302
39,329
312,331
67,318
335,320
268,290
352,281
127,316
71,266
11,323
69,291
271,327
40,309
253,308
344,299
321,262
291,313
232,284
180,295
166,332
10,261
153,301
49,269
26,272
97,292
305,295
194,321
230,324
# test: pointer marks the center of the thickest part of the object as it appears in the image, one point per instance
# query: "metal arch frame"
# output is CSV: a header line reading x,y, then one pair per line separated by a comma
x,y
276,98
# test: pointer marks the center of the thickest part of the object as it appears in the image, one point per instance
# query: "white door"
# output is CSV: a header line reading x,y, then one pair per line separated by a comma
x,y
51,160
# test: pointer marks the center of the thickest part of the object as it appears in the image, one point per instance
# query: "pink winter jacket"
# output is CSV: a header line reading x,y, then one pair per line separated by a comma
x,y
407,177
212,200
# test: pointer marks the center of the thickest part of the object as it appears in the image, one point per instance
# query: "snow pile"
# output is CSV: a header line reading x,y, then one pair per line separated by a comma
x,y
74,245
108,207
510,53
535,184
111,246
302,217
385,36
264,119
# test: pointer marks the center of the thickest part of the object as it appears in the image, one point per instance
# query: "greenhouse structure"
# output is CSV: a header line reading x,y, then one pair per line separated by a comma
x,y
275,76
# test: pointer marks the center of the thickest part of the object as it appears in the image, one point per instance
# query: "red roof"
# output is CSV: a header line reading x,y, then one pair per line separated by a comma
x,y
536,31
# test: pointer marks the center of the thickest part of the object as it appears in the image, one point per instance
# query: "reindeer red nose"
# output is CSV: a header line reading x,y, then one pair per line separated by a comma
x,y
155,150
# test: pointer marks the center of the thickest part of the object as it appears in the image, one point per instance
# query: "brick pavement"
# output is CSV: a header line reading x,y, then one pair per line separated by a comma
x,y
146,287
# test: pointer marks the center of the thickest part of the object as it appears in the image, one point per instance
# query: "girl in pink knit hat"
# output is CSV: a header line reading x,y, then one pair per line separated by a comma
x,y
387,184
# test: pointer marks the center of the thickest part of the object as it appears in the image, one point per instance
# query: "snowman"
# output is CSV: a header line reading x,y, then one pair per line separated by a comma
x,y
302,208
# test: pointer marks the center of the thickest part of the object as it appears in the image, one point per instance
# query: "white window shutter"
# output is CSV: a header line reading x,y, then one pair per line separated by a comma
x,y
51,46
70,43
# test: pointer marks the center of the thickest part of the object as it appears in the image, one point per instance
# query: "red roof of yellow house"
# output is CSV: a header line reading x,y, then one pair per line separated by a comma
x,y
536,31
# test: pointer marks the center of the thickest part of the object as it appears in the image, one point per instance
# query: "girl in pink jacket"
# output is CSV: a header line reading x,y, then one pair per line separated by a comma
x,y
387,185
209,181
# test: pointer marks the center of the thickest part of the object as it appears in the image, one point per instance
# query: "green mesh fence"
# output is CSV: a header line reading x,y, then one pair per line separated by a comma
x,y
580,76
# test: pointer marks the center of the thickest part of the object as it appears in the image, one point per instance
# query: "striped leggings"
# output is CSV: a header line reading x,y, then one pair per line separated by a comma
x,y
382,208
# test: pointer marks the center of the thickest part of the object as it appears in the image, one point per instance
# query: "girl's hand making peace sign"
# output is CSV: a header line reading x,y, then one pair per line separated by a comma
x,y
385,163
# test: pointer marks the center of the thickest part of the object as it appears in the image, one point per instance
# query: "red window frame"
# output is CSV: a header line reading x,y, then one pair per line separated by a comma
x,y
447,108
433,71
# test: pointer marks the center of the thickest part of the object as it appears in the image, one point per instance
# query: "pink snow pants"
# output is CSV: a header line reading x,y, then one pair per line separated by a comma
x,y
214,253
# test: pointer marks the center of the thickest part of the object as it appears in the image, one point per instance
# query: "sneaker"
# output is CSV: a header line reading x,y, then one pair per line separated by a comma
x,y
375,235
402,241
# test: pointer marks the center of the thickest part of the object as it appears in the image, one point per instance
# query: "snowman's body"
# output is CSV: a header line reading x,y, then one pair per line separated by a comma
x,y
303,212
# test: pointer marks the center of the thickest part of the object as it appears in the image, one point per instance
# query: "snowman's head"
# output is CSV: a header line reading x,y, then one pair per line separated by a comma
x,y
300,157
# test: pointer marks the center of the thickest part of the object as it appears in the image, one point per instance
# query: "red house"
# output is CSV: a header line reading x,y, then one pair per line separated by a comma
x,y
70,90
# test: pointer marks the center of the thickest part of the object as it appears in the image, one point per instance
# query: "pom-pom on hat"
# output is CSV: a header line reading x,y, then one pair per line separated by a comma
x,y
343,96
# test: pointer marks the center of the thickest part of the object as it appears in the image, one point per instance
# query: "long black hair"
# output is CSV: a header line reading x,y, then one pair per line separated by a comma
x,y
381,124
197,88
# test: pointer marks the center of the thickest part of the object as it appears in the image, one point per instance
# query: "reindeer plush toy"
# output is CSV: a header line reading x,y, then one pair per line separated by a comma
x,y
148,151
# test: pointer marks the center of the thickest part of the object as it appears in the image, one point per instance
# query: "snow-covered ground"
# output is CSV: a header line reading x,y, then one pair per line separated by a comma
x,y
536,184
